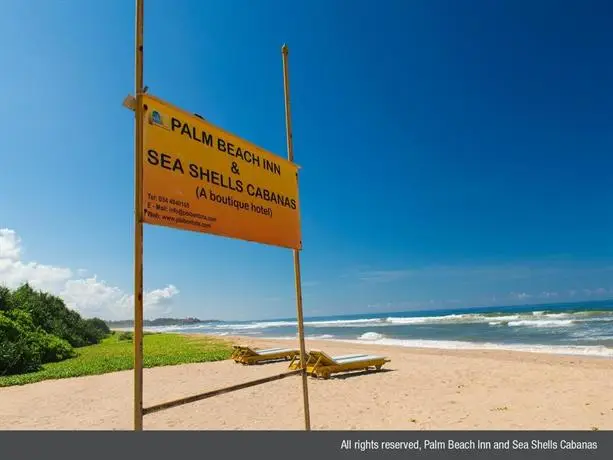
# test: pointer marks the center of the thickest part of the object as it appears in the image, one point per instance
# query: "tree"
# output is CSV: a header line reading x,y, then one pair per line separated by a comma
x,y
36,328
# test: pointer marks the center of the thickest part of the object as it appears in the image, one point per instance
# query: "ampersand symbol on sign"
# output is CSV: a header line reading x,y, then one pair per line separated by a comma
x,y
234,168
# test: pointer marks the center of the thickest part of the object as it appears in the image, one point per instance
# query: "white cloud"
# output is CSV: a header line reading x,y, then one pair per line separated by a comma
x,y
89,296
10,244
13,271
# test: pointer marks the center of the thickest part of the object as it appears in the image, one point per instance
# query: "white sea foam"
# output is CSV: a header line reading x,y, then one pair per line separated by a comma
x,y
527,319
345,322
371,336
258,325
560,315
328,337
594,338
589,350
543,323
518,319
591,335
271,324
459,345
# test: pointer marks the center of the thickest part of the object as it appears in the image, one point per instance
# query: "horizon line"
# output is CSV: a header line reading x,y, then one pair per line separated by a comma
x,y
366,313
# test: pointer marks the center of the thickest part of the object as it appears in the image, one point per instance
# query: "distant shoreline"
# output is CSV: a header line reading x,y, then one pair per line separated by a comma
x,y
162,322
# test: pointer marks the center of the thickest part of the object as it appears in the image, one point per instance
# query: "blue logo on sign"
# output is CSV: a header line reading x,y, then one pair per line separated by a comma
x,y
156,117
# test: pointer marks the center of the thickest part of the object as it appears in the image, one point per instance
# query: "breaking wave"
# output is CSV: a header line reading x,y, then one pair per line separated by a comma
x,y
374,338
588,350
371,336
530,319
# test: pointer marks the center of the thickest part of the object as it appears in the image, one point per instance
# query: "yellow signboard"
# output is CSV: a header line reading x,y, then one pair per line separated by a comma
x,y
198,177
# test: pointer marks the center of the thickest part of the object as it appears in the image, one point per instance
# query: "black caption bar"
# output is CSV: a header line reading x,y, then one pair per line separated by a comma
x,y
296,445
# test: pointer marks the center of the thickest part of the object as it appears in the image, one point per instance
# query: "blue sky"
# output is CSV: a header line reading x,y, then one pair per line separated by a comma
x,y
453,153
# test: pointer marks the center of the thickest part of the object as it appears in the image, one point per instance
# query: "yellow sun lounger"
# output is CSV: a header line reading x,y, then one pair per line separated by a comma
x,y
248,355
321,365
241,350
295,364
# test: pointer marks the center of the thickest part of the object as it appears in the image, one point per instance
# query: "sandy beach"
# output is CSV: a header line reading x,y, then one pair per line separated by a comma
x,y
419,390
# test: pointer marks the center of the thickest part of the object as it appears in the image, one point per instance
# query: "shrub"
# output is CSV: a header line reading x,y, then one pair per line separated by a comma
x,y
53,349
21,323
24,348
37,328
124,336
19,350
99,324
19,357
51,314
5,298
93,330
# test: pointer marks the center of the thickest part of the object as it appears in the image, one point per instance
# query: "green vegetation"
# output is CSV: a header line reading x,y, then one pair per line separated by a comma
x,y
125,336
40,339
36,328
115,353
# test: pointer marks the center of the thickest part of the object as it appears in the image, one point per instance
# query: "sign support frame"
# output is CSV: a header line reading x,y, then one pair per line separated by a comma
x,y
297,275
138,220
136,105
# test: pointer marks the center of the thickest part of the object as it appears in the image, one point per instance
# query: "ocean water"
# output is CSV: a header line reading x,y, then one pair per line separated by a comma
x,y
576,329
